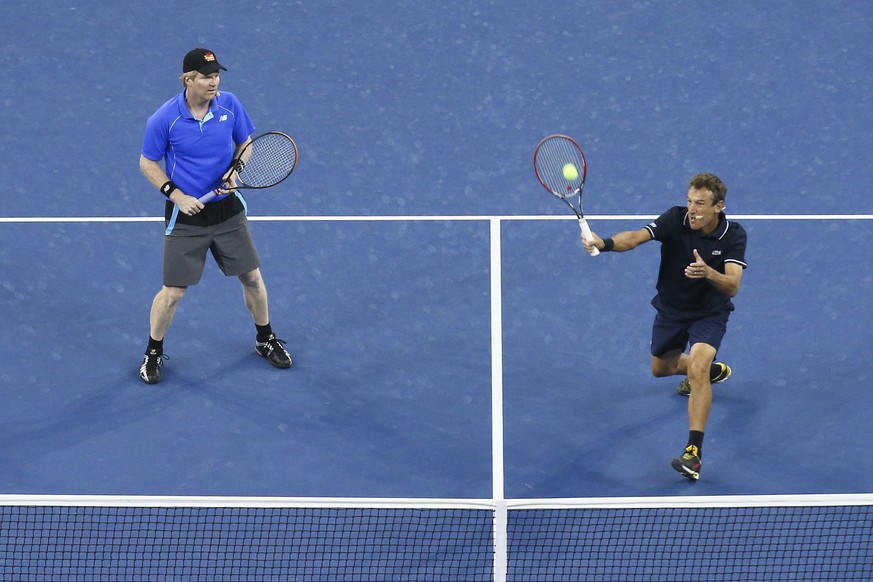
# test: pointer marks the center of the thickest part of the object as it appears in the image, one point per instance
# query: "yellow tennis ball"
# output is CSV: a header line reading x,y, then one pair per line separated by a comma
x,y
570,172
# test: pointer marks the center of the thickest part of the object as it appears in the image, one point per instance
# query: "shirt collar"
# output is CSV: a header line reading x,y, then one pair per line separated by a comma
x,y
186,113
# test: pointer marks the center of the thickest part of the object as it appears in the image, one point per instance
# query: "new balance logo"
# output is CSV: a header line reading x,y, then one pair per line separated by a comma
x,y
222,118
716,253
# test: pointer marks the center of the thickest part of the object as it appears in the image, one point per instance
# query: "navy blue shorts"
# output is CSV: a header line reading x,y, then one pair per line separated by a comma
x,y
676,334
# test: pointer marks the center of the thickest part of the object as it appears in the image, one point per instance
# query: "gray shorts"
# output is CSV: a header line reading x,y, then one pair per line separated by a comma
x,y
230,242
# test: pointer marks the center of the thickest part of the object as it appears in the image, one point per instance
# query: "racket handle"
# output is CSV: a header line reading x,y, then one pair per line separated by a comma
x,y
210,196
586,234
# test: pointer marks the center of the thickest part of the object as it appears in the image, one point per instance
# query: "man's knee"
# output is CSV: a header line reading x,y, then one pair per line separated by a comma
x,y
173,295
659,370
252,278
699,368
666,365
700,360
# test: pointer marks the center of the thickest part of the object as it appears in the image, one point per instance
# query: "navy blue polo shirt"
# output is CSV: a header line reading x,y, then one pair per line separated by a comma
x,y
198,152
678,296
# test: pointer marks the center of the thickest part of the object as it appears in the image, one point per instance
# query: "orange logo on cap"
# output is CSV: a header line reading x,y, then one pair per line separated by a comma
x,y
208,57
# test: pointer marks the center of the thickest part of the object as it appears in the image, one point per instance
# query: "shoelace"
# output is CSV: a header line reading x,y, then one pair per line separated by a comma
x,y
156,357
275,343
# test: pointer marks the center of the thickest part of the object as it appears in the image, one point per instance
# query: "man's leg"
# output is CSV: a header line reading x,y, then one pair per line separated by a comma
x,y
673,363
255,294
160,317
700,401
266,345
699,367
164,310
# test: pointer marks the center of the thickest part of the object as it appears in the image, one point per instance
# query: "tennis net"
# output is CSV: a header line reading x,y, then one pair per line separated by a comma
x,y
815,538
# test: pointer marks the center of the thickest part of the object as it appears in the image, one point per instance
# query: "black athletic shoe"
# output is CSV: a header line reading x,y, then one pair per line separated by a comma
x,y
689,463
150,371
684,387
272,350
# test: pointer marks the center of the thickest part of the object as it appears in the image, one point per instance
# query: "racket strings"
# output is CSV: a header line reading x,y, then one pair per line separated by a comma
x,y
551,157
273,158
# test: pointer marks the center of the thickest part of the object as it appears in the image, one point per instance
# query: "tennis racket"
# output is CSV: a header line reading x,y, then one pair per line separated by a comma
x,y
264,162
561,168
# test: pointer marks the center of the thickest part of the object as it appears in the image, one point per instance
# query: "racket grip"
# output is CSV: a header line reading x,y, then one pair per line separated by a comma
x,y
586,234
210,196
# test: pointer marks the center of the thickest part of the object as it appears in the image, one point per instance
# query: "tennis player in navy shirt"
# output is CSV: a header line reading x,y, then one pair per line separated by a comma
x,y
702,263
199,135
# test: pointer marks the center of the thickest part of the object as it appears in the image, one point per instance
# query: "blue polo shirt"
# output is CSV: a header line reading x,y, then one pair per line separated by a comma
x,y
198,152
678,296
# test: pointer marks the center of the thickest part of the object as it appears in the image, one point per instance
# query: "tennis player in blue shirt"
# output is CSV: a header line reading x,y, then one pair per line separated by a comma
x,y
702,263
198,135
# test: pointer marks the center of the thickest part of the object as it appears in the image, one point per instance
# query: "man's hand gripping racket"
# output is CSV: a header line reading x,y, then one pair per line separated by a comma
x,y
264,162
561,168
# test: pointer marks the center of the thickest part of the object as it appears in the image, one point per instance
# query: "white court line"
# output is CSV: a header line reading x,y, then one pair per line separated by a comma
x,y
501,516
339,218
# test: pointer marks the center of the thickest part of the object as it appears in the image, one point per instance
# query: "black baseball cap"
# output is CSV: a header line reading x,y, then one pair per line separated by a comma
x,y
201,60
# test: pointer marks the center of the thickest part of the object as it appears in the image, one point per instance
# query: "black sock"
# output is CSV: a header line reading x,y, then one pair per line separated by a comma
x,y
695,437
264,332
157,345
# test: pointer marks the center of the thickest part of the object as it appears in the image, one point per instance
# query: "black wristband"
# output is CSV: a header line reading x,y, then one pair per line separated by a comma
x,y
608,245
168,188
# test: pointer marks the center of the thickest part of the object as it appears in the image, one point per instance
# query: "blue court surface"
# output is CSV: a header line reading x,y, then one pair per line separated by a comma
x,y
416,123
